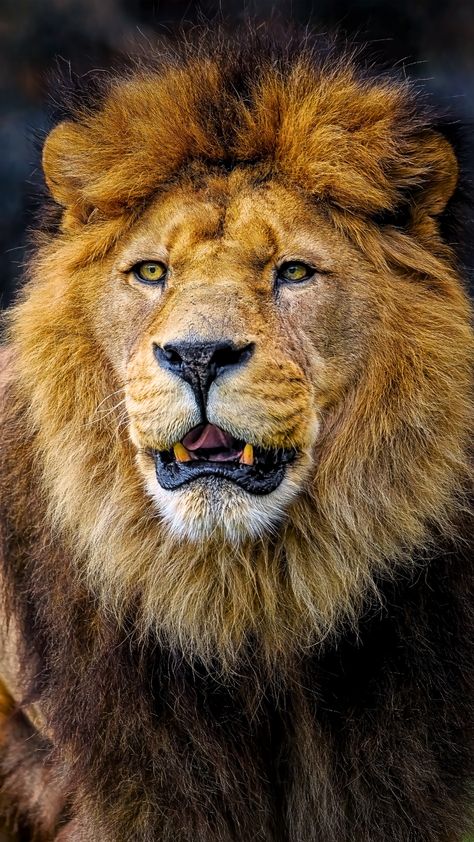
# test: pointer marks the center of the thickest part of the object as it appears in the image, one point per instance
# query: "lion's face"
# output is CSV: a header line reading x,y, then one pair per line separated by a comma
x,y
233,357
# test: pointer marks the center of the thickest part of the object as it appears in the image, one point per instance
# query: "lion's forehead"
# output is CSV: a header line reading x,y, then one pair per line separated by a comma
x,y
229,228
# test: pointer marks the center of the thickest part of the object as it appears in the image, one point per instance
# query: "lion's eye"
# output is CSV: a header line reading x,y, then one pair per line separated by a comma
x,y
150,271
294,272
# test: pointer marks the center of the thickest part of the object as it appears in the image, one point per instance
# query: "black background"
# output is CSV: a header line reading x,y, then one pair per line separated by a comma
x,y
433,40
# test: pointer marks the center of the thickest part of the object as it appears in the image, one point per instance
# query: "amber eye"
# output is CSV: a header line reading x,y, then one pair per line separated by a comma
x,y
150,271
294,272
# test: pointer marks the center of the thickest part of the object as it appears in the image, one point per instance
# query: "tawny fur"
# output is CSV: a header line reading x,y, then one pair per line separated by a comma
x,y
377,397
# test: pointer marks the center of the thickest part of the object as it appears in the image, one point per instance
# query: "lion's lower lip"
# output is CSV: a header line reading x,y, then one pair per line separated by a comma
x,y
263,477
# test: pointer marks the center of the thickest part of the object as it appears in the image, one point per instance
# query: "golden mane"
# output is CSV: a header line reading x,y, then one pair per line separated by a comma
x,y
393,462
312,120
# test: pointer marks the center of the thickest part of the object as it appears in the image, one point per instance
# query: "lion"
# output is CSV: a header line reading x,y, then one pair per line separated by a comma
x,y
236,475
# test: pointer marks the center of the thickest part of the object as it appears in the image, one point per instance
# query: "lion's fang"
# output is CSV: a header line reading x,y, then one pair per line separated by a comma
x,y
181,453
247,455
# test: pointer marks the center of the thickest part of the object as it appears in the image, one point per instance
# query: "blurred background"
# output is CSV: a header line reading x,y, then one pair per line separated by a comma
x,y
433,40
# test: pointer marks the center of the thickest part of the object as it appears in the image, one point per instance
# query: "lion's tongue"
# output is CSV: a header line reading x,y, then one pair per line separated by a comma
x,y
210,442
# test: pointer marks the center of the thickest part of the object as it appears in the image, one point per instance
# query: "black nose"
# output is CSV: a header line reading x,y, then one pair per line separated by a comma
x,y
199,363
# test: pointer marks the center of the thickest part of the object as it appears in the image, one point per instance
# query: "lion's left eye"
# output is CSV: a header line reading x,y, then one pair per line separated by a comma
x,y
294,272
150,271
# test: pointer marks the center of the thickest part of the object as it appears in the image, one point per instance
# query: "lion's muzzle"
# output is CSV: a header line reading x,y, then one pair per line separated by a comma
x,y
207,450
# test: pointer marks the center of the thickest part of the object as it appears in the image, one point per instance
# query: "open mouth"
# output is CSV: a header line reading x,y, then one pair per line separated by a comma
x,y
208,451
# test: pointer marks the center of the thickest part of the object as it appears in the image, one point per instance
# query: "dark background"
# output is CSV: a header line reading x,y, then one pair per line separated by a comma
x,y
433,40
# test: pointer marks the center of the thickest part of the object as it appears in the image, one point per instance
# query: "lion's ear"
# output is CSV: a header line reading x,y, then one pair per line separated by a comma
x,y
64,154
439,172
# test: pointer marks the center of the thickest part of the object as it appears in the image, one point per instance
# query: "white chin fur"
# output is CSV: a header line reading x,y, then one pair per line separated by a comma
x,y
214,506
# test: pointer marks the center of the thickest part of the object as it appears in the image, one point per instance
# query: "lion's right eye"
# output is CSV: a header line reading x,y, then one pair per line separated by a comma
x,y
294,272
150,271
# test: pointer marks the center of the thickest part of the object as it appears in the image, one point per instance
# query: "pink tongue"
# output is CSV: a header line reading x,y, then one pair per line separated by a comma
x,y
208,437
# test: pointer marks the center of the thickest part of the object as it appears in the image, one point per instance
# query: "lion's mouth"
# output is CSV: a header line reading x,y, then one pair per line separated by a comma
x,y
209,451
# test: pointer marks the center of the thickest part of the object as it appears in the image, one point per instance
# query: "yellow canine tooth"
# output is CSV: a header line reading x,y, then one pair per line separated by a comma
x,y
247,455
181,453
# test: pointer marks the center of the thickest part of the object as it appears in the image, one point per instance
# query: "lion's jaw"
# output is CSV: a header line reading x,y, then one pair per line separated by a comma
x,y
219,507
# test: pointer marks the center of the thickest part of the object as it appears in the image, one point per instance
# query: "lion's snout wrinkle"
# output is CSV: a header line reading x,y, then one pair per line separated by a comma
x,y
199,363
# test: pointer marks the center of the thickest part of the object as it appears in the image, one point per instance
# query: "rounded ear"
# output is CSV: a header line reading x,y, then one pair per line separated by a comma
x,y
439,162
63,164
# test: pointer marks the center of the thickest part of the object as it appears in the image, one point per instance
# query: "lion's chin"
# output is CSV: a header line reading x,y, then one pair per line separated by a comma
x,y
219,508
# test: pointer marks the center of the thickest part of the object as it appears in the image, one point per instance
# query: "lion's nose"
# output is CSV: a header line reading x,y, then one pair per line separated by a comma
x,y
199,363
